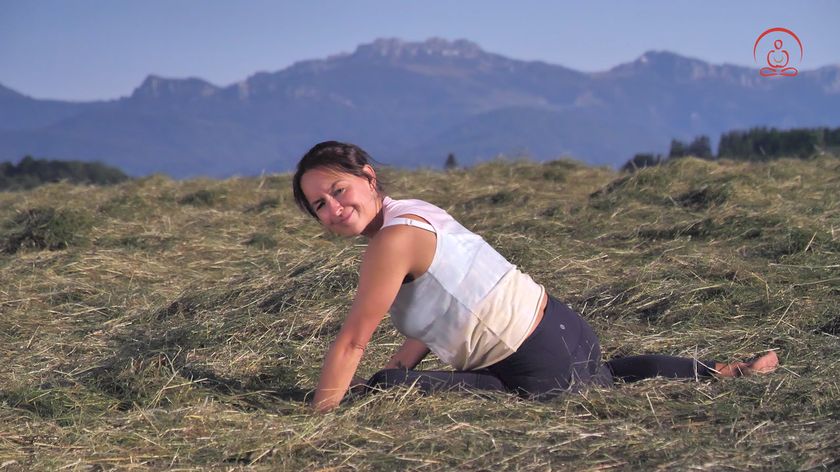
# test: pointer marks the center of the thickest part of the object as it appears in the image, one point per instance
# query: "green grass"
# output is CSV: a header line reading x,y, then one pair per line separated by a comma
x,y
159,324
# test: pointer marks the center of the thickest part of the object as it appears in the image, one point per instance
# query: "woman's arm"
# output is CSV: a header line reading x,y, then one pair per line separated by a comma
x,y
408,355
386,263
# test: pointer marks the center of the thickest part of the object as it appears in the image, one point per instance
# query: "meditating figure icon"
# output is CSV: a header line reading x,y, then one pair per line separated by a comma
x,y
777,60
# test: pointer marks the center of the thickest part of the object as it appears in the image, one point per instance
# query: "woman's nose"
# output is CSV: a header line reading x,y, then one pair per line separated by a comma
x,y
335,207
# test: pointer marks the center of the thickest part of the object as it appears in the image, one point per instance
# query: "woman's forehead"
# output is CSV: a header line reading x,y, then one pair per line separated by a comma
x,y
322,179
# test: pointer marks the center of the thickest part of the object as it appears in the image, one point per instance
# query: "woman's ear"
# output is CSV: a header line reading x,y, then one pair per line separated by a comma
x,y
371,173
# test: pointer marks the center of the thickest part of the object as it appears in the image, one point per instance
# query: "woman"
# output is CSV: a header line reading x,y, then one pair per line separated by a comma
x,y
449,292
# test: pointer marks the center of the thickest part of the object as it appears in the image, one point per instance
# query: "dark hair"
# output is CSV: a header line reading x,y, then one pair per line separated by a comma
x,y
342,157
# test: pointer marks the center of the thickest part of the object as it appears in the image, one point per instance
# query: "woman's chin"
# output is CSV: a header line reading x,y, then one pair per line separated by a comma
x,y
346,231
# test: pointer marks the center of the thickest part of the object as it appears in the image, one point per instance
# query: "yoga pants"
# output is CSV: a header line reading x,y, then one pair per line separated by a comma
x,y
561,355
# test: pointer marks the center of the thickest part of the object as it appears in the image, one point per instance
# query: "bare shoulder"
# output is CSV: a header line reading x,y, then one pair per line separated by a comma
x,y
395,235
391,240
388,257
404,244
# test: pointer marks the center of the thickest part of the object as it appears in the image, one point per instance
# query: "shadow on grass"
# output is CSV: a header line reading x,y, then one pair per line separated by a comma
x,y
147,363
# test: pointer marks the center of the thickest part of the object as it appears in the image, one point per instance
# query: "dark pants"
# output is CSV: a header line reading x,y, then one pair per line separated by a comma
x,y
561,355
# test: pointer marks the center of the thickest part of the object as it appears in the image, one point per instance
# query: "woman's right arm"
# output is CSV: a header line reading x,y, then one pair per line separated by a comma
x,y
408,355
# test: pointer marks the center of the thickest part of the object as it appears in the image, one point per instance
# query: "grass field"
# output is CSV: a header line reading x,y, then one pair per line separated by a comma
x,y
163,324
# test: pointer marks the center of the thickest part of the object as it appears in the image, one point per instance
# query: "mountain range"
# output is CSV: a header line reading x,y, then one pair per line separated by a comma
x,y
411,104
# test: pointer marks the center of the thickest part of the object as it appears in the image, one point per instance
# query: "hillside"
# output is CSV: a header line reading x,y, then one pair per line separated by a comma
x,y
411,104
159,324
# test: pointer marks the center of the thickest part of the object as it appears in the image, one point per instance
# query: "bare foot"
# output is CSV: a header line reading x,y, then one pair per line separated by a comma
x,y
761,365
764,364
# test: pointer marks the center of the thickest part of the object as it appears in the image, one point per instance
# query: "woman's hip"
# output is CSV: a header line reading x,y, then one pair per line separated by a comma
x,y
562,353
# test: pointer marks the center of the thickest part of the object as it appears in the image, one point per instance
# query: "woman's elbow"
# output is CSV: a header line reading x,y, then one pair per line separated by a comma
x,y
347,346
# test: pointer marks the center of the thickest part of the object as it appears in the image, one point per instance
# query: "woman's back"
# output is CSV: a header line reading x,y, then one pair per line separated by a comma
x,y
472,307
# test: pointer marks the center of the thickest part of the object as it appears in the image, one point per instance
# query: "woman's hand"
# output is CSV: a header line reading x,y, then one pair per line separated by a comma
x,y
408,355
339,366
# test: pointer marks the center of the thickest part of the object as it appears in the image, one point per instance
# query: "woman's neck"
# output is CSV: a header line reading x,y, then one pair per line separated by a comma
x,y
376,223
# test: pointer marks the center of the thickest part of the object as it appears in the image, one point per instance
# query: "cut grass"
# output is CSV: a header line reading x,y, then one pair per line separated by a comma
x,y
185,328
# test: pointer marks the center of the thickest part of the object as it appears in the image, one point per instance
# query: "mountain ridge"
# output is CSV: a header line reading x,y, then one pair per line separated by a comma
x,y
412,103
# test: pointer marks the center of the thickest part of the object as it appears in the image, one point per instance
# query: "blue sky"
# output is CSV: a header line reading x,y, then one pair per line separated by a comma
x,y
86,49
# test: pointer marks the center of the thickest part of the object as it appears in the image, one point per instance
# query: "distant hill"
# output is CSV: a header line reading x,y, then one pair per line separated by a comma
x,y
30,173
411,104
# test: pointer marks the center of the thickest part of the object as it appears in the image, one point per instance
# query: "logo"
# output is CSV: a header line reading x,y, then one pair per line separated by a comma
x,y
776,42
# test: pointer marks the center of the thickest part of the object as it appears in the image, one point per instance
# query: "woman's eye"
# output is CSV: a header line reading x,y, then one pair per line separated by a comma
x,y
339,191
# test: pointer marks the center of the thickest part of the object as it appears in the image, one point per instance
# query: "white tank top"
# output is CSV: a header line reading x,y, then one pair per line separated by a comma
x,y
472,307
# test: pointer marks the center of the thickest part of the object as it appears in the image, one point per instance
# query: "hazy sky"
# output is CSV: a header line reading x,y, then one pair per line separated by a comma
x,y
101,49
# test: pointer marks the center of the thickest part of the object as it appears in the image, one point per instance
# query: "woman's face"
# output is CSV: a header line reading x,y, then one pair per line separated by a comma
x,y
344,203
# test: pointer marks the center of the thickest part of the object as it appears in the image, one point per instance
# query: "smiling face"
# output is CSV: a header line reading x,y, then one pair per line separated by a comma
x,y
344,203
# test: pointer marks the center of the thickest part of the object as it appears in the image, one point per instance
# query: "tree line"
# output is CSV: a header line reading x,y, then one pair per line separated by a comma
x,y
756,144
31,172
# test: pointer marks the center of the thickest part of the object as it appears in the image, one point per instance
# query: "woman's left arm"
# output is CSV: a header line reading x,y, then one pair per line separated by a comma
x,y
386,263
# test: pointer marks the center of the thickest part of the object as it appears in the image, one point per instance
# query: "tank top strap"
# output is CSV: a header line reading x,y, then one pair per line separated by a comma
x,y
410,222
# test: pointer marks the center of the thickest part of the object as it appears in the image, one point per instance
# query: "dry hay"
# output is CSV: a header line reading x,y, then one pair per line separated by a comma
x,y
181,325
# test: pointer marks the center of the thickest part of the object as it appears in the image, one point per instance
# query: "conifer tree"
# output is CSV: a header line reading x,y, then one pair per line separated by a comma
x,y
451,163
677,149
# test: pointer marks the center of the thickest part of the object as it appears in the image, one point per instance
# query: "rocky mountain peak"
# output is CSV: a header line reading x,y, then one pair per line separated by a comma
x,y
434,47
156,87
663,61
673,67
